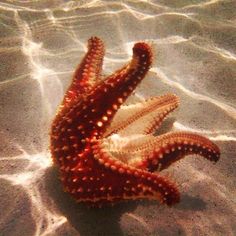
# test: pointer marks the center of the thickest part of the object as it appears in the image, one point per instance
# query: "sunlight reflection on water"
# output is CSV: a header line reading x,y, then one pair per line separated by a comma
x,y
41,44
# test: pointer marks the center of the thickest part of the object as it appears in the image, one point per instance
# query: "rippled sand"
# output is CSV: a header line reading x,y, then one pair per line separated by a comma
x,y
194,44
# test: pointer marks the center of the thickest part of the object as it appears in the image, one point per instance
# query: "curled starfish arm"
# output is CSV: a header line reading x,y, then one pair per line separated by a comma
x,y
103,102
143,117
160,152
88,71
157,153
131,183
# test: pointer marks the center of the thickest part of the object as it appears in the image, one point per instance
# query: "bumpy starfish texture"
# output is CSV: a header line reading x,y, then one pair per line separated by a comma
x,y
106,151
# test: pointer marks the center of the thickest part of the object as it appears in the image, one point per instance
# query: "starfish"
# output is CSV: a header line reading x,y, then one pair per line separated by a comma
x,y
107,151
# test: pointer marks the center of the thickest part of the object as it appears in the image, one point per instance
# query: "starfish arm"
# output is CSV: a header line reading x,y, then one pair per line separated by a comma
x,y
88,71
158,153
143,117
91,116
88,118
104,179
127,182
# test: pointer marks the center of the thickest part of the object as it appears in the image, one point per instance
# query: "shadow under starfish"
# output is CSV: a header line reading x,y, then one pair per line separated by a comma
x,y
106,151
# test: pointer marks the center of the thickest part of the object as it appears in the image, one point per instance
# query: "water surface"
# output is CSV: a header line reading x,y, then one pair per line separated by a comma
x,y
194,44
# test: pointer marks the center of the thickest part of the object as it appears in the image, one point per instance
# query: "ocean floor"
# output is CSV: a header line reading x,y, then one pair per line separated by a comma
x,y
194,45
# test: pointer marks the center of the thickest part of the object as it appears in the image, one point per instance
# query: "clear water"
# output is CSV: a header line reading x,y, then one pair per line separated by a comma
x,y
41,42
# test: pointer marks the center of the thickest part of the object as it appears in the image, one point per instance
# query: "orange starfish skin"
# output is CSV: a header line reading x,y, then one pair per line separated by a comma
x,y
100,156
87,74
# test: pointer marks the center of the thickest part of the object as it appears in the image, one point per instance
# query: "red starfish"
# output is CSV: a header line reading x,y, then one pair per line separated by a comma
x,y
105,158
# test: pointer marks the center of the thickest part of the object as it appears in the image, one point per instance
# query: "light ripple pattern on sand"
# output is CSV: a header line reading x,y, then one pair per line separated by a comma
x,y
41,44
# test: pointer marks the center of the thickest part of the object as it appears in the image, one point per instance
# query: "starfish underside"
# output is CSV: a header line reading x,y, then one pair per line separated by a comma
x,y
107,151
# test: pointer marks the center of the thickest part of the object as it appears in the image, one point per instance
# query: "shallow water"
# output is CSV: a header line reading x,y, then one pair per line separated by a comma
x,y
194,44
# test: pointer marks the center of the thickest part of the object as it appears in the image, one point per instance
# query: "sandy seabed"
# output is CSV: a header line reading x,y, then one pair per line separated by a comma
x,y
194,44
